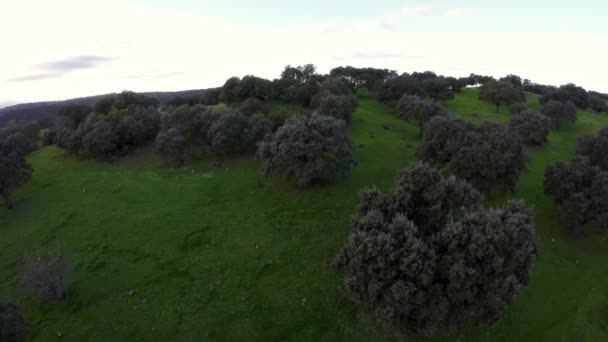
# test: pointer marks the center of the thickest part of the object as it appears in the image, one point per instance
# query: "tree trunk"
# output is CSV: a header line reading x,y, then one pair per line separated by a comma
x,y
497,105
9,205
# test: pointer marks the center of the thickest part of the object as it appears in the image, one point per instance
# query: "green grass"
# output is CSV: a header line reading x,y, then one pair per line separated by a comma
x,y
226,254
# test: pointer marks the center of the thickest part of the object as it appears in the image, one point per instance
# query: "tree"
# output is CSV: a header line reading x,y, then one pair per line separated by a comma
x,y
13,328
579,190
418,111
596,148
14,169
104,104
517,107
227,133
186,119
392,89
47,276
598,104
171,147
340,107
252,106
102,141
532,127
258,127
75,113
307,150
495,160
443,136
560,113
229,92
438,89
498,93
428,256
569,92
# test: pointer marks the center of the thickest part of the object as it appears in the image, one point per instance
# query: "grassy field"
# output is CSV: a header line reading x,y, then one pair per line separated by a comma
x,y
208,253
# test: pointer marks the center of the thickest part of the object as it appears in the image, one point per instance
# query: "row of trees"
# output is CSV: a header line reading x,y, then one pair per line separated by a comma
x,y
14,168
424,84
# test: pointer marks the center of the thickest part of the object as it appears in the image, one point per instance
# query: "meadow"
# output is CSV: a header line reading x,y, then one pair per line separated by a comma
x,y
209,252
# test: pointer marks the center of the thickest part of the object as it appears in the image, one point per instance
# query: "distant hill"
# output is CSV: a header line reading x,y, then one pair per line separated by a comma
x,y
40,110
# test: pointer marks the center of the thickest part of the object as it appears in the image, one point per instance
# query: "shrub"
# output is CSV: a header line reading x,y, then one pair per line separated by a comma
x,y
171,147
258,127
598,104
443,136
307,150
14,169
560,113
13,328
427,256
47,276
533,128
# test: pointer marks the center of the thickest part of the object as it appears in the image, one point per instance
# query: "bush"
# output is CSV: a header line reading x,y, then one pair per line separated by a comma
x,y
598,104
186,119
47,276
560,113
533,128
307,150
13,328
428,256
418,111
443,136
171,147
258,127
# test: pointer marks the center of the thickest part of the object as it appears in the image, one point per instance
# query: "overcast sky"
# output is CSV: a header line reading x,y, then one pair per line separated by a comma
x,y
62,49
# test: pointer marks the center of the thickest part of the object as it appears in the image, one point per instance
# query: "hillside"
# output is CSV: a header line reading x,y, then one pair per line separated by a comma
x,y
40,110
208,253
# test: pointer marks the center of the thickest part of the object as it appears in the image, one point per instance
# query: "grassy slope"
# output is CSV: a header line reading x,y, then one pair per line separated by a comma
x,y
227,254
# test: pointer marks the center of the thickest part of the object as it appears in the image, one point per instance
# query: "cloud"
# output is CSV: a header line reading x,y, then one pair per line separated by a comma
x,y
74,63
34,77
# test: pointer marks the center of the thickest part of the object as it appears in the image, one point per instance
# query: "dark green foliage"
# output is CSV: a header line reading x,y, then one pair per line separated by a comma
x,y
532,127
515,80
560,113
495,160
14,169
47,276
139,127
186,119
569,92
76,113
105,104
227,133
252,106
230,90
498,93
427,256
122,101
438,89
579,189
171,147
357,78
392,89
443,136
517,107
418,111
489,157
596,148
258,127
598,104
307,149
340,107
102,141
13,328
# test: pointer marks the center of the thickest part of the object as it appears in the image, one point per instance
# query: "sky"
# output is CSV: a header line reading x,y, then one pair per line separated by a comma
x,y
54,50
